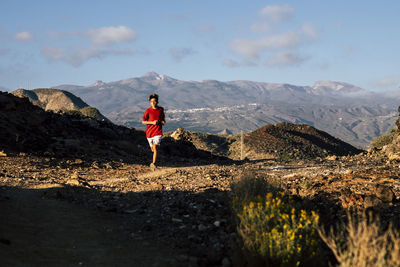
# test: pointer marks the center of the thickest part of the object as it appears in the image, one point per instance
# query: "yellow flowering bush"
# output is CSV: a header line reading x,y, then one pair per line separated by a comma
x,y
274,230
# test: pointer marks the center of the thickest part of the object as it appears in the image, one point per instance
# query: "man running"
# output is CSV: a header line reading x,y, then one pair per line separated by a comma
x,y
154,119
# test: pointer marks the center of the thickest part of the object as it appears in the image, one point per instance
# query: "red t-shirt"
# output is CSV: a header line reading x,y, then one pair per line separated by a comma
x,y
154,114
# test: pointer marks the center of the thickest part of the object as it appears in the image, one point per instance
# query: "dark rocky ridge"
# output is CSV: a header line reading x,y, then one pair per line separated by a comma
x,y
281,141
292,141
28,128
25,127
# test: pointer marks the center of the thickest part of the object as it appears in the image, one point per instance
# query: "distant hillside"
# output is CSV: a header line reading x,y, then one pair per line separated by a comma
x,y
344,110
59,100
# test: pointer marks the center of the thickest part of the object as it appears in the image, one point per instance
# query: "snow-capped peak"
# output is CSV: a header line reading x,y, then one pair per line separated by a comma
x,y
151,75
97,83
336,87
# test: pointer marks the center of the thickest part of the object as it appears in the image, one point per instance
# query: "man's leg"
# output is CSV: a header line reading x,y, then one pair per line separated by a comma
x,y
154,149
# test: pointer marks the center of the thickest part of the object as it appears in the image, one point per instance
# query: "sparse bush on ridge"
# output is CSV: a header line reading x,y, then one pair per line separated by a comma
x,y
72,112
385,139
365,245
90,112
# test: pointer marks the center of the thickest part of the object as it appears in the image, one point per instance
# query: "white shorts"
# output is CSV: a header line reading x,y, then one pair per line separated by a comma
x,y
154,140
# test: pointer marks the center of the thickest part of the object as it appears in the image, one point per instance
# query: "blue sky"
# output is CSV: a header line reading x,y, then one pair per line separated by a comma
x,y
48,43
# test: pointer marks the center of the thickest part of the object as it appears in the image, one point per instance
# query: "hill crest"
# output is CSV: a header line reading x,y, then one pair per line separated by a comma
x,y
57,100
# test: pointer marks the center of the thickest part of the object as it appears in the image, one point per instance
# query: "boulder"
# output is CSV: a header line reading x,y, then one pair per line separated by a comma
x,y
181,134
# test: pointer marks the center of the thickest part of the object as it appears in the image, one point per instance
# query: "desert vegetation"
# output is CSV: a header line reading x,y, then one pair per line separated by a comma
x,y
275,230
383,140
364,242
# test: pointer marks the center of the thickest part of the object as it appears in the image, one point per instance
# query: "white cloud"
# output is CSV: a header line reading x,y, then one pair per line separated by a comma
x,y
285,59
102,39
24,36
261,27
277,13
387,82
77,56
233,64
274,48
254,48
230,63
111,35
180,53
310,31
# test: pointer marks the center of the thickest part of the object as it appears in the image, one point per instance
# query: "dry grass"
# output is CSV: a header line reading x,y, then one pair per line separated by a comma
x,y
365,245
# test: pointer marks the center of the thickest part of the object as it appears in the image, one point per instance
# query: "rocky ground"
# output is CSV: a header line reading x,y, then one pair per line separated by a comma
x,y
83,212
79,192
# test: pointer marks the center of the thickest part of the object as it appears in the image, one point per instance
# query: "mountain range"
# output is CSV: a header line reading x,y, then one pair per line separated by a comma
x,y
346,111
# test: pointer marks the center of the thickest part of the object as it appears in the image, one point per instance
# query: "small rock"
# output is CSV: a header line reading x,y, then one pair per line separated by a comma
x,y
202,227
73,182
95,165
130,211
217,223
159,187
393,156
75,175
332,158
384,193
349,171
225,262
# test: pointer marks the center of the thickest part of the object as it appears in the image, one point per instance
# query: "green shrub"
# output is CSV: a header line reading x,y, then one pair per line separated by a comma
x,y
285,157
385,139
90,112
273,231
72,112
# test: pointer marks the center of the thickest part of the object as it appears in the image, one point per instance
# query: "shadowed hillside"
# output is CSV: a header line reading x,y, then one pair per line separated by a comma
x,y
290,141
284,141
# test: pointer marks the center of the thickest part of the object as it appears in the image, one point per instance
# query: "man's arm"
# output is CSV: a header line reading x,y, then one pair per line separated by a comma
x,y
163,118
145,120
149,122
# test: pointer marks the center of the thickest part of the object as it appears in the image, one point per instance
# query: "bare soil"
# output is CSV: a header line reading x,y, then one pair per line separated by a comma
x,y
78,212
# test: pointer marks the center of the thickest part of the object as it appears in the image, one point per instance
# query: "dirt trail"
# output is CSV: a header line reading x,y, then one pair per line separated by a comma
x,y
44,232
